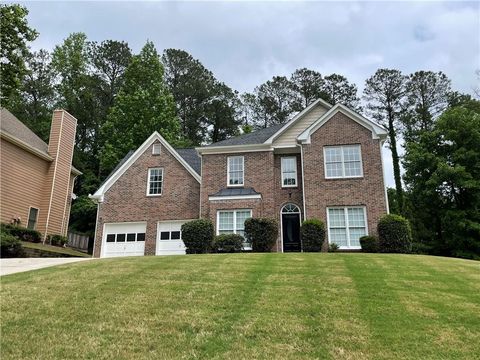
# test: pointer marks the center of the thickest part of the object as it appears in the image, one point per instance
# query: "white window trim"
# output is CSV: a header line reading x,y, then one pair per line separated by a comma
x,y
159,149
36,220
343,162
148,181
345,212
296,173
234,222
228,171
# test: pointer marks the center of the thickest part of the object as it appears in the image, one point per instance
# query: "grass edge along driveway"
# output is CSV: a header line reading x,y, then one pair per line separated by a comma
x,y
245,306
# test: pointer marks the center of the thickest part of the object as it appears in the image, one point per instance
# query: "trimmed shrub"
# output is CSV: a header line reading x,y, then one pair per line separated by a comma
x,y
333,247
10,246
197,236
227,243
394,234
261,233
22,233
369,244
313,235
57,240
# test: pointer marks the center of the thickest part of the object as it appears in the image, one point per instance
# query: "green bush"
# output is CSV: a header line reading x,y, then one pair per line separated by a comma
x,y
22,233
333,247
197,236
261,233
10,246
57,240
227,243
313,235
394,234
369,244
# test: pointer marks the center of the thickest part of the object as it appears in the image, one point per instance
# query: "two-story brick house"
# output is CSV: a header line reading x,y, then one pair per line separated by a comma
x,y
325,163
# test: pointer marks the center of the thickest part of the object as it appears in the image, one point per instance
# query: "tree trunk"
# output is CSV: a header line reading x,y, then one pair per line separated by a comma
x,y
396,163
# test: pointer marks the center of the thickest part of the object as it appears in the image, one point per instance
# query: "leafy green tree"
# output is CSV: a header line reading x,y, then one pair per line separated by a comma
x,y
15,33
442,175
308,85
428,95
385,96
36,99
337,89
143,105
275,102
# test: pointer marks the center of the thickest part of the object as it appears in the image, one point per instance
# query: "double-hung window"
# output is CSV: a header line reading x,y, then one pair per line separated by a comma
x,y
343,161
235,171
289,171
233,222
346,225
155,182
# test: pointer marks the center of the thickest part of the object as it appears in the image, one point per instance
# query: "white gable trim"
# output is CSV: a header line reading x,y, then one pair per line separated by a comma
x,y
296,118
378,132
154,137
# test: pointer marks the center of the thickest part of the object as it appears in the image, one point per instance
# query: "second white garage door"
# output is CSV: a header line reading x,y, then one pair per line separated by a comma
x,y
169,238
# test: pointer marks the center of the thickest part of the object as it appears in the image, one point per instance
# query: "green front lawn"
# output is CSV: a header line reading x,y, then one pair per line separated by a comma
x,y
245,306
55,249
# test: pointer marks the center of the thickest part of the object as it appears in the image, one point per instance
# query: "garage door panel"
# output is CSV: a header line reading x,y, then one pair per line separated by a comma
x,y
124,239
169,238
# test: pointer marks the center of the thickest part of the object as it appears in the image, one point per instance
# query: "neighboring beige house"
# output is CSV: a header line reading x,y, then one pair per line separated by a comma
x,y
325,163
37,178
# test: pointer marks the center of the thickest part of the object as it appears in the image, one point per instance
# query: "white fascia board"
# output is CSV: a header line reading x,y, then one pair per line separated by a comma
x,y
230,149
296,117
377,131
234,197
155,136
25,146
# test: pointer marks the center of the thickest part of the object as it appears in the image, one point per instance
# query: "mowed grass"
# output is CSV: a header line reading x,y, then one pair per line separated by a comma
x,y
245,306
55,249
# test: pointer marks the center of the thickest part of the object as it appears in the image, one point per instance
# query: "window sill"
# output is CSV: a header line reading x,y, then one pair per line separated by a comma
x,y
240,185
346,178
289,186
154,195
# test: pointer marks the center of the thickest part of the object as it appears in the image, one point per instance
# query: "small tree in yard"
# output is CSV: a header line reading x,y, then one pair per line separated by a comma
x,y
197,236
261,233
394,233
313,235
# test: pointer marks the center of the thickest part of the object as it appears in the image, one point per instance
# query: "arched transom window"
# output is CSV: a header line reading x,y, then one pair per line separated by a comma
x,y
290,209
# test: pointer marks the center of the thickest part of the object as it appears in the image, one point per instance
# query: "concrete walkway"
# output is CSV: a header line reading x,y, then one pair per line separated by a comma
x,y
12,266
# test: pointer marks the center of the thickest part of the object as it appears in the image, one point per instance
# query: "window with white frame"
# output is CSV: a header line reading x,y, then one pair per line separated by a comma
x,y
233,222
346,225
156,149
155,181
343,161
235,171
289,171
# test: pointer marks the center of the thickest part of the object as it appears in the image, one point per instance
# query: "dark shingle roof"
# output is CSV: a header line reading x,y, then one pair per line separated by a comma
x,y
256,137
191,157
236,192
14,127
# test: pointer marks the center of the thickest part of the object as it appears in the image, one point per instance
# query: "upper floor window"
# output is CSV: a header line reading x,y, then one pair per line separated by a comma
x,y
289,171
155,182
343,161
235,171
156,149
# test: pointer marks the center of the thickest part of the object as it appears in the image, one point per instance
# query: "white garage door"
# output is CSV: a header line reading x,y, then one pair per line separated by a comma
x,y
124,239
169,238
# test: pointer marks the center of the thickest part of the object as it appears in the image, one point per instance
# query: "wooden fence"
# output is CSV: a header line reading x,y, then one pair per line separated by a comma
x,y
78,241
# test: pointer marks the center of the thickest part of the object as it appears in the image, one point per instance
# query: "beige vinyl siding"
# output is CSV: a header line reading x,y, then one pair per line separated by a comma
x,y
22,179
288,138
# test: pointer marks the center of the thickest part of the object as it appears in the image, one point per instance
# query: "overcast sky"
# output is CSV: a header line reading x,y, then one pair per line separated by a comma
x,y
247,43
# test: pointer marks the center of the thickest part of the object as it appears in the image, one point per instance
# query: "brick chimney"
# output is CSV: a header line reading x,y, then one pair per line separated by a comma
x,y
59,181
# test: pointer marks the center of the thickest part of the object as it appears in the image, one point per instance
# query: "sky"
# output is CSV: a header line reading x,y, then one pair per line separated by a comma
x,y
246,43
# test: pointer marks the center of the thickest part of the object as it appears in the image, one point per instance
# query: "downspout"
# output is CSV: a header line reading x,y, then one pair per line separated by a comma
x,y
303,182
381,142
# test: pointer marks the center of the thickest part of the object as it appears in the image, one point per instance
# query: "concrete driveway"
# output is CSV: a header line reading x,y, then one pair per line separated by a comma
x,y
12,266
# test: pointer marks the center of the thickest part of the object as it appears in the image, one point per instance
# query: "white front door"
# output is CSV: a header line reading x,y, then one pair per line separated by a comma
x,y
169,238
124,239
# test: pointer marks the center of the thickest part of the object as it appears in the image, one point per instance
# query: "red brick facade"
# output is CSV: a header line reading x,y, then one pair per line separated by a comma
x,y
127,199
184,198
